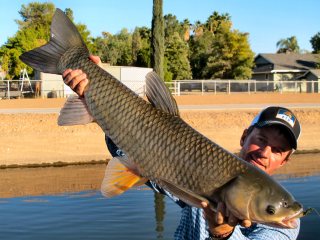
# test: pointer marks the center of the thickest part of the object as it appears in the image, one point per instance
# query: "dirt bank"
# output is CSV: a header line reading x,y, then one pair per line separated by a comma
x,y
36,138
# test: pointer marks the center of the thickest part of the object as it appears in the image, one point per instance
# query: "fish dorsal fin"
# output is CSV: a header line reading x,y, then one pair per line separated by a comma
x,y
64,35
184,195
159,95
74,112
119,178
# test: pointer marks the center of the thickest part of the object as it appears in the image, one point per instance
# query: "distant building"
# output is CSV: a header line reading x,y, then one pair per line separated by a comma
x,y
133,77
285,67
312,77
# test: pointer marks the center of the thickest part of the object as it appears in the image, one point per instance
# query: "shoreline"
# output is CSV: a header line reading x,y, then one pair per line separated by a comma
x,y
100,162
86,177
35,140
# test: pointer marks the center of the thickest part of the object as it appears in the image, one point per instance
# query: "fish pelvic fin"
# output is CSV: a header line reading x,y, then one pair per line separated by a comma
x,y
159,94
64,36
185,195
74,112
119,178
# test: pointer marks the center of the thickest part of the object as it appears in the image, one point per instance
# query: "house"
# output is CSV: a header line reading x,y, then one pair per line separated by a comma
x,y
285,67
312,75
312,78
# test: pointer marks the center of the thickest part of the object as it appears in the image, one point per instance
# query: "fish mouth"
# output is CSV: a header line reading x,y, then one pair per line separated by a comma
x,y
291,221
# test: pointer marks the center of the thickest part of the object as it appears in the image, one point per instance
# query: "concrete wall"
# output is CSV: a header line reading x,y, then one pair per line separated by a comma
x,y
133,77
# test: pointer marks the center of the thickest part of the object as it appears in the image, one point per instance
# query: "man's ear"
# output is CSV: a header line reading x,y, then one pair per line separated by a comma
x,y
287,157
243,137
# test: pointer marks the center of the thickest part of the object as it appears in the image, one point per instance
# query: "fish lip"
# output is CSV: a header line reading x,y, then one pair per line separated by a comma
x,y
291,221
293,215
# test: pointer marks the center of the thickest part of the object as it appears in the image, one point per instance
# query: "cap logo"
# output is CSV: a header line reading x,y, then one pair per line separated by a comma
x,y
286,116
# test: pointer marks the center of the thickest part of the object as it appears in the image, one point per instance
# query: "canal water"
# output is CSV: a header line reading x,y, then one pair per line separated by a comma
x,y
65,203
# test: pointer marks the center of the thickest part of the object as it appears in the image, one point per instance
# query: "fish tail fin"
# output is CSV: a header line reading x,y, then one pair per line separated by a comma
x,y
64,36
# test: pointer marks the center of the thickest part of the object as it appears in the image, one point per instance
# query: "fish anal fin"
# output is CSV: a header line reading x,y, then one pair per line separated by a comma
x,y
141,182
118,179
185,195
74,112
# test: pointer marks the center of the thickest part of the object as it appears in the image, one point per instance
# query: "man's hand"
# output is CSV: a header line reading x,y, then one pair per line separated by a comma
x,y
222,222
76,79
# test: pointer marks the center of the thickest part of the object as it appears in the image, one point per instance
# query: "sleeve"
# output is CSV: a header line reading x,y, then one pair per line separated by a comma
x,y
113,149
117,152
158,189
264,232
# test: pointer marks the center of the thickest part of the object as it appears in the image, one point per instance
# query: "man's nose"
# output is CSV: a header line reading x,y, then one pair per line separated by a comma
x,y
266,151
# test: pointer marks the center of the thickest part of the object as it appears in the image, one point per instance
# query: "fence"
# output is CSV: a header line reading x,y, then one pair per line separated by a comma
x,y
32,88
56,88
203,87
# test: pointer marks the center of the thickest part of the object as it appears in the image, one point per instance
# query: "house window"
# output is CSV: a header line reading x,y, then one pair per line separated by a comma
x,y
267,76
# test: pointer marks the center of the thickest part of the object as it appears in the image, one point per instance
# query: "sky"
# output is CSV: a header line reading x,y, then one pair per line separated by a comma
x,y
266,21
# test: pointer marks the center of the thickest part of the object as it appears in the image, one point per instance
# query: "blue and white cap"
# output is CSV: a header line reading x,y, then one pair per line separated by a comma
x,y
281,116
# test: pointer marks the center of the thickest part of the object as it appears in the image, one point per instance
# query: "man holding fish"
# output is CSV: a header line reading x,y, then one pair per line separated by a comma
x,y
162,150
267,143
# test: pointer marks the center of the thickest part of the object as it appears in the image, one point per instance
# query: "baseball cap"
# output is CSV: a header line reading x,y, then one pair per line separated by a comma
x,y
279,116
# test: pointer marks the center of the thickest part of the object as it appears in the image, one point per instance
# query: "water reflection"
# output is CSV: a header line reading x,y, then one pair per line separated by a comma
x,y
159,207
56,180
65,203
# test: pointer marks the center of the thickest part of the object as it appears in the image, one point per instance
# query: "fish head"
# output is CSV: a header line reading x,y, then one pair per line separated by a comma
x,y
275,206
261,199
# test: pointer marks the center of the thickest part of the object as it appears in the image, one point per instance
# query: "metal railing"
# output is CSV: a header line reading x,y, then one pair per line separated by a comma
x,y
185,87
57,89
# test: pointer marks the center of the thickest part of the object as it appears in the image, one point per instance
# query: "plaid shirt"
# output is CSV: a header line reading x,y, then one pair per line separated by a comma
x,y
193,226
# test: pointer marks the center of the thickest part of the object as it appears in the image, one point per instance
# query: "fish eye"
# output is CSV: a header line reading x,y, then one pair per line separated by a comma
x,y
271,210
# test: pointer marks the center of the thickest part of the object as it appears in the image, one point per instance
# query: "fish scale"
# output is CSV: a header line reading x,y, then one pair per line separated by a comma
x,y
157,142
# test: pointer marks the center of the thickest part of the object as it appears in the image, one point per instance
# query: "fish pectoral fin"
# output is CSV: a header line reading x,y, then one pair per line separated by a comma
x,y
185,195
119,178
74,112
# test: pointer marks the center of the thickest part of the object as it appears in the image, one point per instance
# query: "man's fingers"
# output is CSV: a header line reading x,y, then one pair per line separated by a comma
x,y
95,59
75,81
68,79
246,223
232,220
66,72
221,211
81,86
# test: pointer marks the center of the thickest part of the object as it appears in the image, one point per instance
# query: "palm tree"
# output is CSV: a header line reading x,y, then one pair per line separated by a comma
x,y
288,45
197,28
186,29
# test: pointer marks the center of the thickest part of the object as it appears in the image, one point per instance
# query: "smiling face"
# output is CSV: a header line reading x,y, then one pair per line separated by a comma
x,y
268,147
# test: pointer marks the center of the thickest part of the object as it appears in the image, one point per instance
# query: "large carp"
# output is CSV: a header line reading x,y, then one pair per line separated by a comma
x,y
159,145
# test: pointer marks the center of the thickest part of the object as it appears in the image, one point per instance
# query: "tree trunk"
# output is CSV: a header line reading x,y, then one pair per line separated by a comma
x,y
157,57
